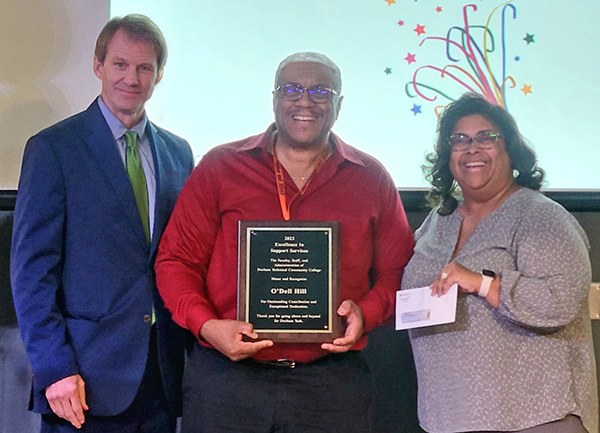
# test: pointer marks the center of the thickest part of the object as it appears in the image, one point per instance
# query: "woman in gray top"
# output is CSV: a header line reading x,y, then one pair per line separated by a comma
x,y
519,356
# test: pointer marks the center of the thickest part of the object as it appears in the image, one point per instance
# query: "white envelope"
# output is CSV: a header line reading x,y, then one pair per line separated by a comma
x,y
416,308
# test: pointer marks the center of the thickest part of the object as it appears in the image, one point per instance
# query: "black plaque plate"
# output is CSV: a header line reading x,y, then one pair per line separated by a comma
x,y
289,280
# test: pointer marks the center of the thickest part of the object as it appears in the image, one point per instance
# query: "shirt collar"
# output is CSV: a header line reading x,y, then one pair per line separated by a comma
x,y
263,142
116,127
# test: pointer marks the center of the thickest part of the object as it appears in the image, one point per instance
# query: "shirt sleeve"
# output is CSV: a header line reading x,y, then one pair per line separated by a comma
x,y
553,273
186,248
36,265
393,247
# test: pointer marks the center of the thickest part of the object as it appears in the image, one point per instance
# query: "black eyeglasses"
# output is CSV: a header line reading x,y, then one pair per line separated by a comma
x,y
484,140
317,94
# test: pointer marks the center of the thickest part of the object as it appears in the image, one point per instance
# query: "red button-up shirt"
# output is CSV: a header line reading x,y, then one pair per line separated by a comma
x,y
196,267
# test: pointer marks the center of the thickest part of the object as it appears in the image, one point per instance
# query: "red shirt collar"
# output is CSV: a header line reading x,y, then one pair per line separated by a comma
x,y
263,142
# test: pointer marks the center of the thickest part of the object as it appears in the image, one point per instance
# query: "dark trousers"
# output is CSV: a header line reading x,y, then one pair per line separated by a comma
x,y
149,412
332,394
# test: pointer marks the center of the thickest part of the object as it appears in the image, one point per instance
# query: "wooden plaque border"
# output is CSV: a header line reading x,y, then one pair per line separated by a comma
x,y
292,335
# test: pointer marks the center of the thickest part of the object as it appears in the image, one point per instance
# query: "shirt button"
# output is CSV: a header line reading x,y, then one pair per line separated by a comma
x,y
147,318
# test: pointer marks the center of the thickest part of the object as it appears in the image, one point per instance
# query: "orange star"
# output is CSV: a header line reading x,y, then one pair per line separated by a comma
x,y
419,29
390,2
526,89
438,9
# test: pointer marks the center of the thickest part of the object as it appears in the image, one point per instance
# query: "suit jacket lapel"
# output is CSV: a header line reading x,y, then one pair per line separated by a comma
x,y
102,144
161,165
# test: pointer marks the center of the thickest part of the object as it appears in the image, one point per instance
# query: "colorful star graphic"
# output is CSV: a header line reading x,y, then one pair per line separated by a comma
x,y
401,23
517,58
390,2
526,89
419,29
410,58
529,39
388,71
416,109
438,9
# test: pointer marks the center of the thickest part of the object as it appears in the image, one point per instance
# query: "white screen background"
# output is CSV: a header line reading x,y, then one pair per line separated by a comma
x,y
223,56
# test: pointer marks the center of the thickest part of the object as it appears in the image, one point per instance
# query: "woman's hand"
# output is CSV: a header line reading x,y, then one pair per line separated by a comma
x,y
468,281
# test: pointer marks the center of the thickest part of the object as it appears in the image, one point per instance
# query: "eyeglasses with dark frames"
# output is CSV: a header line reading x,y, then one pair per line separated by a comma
x,y
484,140
317,94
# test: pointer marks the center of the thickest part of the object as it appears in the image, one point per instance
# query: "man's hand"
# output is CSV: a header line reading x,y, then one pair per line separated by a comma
x,y
227,337
354,328
67,399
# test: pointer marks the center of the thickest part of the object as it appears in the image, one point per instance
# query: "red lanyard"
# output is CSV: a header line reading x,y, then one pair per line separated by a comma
x,y
279,179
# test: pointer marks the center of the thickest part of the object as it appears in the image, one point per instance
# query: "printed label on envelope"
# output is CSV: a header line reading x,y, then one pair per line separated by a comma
x,y
416,308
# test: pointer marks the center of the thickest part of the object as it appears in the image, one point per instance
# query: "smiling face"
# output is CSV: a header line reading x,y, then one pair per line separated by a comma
x,y
303,123
129,74
481,174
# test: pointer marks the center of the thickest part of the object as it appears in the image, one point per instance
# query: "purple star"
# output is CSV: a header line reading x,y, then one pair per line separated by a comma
x,y
416,109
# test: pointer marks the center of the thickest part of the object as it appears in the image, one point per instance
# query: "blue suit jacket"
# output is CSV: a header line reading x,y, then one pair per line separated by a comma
x,y
81,269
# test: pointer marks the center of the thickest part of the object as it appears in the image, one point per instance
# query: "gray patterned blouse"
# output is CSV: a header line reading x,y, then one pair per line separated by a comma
x,y
529,362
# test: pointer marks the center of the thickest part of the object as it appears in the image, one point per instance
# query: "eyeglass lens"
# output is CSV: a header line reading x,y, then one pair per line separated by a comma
x,y
484,140
316,94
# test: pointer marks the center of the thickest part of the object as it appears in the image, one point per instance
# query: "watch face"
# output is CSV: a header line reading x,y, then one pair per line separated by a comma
x,y
488,273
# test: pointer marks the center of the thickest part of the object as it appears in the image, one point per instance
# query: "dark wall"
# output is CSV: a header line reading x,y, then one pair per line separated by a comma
x,y
590,221
7,204
388,354
7,312
390,358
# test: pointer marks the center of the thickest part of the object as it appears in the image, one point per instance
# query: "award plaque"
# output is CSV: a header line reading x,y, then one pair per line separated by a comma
x,y
289,280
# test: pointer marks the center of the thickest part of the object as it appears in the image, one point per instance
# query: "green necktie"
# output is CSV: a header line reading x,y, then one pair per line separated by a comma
x,y
135,171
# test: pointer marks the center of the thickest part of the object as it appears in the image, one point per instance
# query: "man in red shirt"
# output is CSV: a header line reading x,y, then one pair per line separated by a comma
x,y
296,170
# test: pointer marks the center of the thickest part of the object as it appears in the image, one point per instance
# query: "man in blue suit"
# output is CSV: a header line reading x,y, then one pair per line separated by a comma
x,y
92,205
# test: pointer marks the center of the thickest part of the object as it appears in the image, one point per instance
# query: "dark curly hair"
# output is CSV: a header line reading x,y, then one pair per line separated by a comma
x,y
523,160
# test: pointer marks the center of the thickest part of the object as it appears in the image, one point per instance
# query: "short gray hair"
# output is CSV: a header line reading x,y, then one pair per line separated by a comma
x,y
309,56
